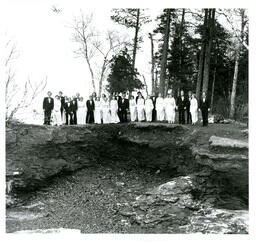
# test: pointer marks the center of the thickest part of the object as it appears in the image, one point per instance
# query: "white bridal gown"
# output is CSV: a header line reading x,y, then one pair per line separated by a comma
x,y
105,111
114,110
97,112
193,110
148,109
133,110
140,109
81,112
56,116
170,105
160,109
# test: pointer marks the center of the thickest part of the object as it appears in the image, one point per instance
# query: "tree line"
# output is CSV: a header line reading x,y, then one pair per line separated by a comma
x,y
203,50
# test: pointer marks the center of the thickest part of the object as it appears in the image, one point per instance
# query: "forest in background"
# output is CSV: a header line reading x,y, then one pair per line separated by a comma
x,y
192,50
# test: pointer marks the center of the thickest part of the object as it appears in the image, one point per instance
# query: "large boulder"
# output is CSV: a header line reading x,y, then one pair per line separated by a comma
x,y
172,208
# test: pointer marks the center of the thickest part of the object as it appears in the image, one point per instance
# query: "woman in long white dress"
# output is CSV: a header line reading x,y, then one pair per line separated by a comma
x,y
97,111
56,116
160,108
133,109
169,106
114,110
81,111
105,107
194,109
149,108
141,108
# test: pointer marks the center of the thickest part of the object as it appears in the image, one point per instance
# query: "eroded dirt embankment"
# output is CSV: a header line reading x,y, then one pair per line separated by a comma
x,y
35,155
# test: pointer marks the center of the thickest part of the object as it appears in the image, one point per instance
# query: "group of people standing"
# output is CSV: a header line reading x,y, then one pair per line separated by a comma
x,y
63,110
115,109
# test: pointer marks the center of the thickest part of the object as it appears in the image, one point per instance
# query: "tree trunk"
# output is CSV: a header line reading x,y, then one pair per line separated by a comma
x,y
156,80
102,75
216,48
213,84
135,44
234,85
164,54
208,48
152,64
201,58
180,36
233,93
89,65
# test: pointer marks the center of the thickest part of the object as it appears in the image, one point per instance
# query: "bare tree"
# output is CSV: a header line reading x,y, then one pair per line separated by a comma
x,y
97,48
17,97
111,45
229,15
241,43
84,34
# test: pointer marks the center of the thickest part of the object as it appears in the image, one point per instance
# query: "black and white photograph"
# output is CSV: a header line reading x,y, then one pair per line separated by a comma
x,y
125,120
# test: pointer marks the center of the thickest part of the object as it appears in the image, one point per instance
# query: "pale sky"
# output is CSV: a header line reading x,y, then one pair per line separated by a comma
x,y
44,42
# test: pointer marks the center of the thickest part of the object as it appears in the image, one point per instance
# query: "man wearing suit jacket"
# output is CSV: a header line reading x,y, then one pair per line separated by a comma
x,y
69,112
189,118
90,110
74,109
123,106
181,103
205,108
62,102
48,105
153,97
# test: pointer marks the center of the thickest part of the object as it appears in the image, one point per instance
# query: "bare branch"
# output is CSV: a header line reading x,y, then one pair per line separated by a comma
x,y
236,32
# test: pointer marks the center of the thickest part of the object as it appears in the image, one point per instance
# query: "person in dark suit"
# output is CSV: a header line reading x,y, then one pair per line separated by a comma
x,y
74,109
48,105
123,106
90,110
69,112
153,97
137,97
62,102
205,108
189,118
181,103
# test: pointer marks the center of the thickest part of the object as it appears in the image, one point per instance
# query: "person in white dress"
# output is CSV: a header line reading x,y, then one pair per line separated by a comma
x,y
160,108
114,110
133,109
81,111
105,107
141,108
194,109
149,108
169,106
97,111
56,115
